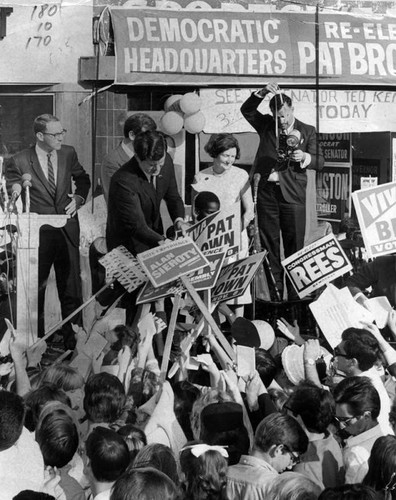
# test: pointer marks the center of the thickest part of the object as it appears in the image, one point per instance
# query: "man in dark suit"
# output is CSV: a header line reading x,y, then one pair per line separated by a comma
x,y
287,148
53,166
134,124
136,191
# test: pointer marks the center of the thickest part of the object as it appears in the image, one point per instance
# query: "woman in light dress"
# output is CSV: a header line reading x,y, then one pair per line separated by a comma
x,y
230,184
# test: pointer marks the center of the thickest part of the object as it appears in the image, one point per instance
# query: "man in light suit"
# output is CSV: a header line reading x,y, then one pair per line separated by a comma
x,y
134,124
281,199
53,166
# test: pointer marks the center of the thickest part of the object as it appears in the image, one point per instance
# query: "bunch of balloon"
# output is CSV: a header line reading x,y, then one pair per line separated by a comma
x,y
183,111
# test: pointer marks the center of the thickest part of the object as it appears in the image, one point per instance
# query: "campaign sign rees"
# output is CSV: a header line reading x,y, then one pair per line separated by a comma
x,y
317,264
168,262
376,212
236,277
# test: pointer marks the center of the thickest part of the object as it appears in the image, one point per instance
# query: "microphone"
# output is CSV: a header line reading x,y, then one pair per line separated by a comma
x,y
16,191
256,181
26,184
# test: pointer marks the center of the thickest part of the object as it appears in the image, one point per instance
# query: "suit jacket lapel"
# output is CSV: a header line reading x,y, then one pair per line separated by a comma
x,y
61,174
36,168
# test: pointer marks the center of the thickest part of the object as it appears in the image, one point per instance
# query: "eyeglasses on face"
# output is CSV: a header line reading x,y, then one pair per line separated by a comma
x,y
295,457
339,354
58,135
345,420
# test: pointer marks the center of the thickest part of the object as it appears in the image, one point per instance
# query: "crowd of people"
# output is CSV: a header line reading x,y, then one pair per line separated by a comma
x,y
309,427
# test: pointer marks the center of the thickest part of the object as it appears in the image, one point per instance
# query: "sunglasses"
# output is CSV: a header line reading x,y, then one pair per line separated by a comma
x,y
295,457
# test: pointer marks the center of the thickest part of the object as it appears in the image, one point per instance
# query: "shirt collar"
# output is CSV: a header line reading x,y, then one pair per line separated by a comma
x,y
364,436
256,462
128,149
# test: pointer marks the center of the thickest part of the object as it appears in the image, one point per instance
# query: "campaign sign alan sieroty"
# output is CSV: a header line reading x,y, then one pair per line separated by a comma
x,y
203,279
376,212
168,262
316,264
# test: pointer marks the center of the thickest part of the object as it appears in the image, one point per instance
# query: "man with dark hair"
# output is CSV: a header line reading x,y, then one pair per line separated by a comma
x,y
278,442
357,409
314,408
53,168
136,191
21,462
287,149
108,458
134,124
358,355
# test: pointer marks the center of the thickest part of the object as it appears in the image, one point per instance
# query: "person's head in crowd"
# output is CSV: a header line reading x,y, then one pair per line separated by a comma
x,y
12,415
278,397
121,336
63,376
357,352
32,495
57,434
159,456
392,417
312,406
185,395
104,398
350,492
108,458
206,398
70,380
280,440
357,405
381,475
204,471
293,486
134,438
349,226
205,203
36,399
222,424
144,483
136,123
150,149
224,149
281,107
265,365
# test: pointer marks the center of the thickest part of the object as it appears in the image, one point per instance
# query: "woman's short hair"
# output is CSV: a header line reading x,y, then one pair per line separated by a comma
x,y
218,143
146,483
37,398
104,398
159,456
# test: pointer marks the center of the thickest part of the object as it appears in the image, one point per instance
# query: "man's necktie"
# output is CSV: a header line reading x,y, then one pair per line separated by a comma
x,y
152,181
51,175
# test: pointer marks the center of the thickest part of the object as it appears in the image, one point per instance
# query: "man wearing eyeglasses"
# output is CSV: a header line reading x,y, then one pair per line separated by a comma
x,y
358,355
357,409
59,185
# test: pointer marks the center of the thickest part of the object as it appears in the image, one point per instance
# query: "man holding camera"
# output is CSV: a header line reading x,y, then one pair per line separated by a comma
x,y
287,149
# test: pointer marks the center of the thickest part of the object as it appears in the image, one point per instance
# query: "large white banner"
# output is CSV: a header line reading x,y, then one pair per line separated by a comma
x,y
339,110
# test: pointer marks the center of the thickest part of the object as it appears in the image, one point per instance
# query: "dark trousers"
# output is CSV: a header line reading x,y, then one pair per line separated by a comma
x,y
56,249
276,215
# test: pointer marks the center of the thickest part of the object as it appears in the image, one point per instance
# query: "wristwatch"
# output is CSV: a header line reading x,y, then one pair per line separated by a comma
x,y
310,361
